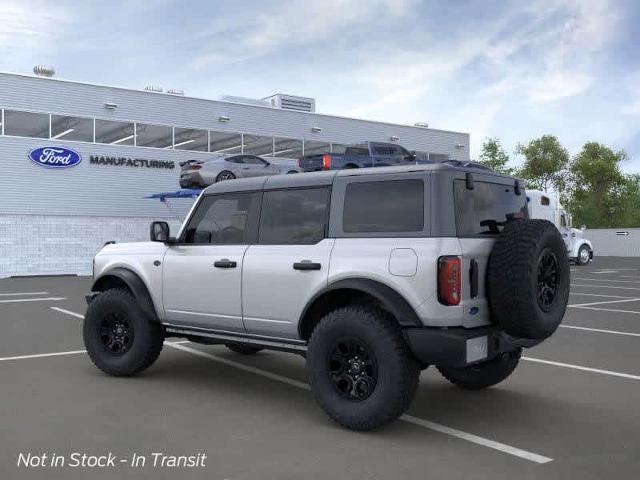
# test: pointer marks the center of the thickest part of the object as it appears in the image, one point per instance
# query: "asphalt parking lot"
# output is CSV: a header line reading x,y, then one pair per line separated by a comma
x,y
571,410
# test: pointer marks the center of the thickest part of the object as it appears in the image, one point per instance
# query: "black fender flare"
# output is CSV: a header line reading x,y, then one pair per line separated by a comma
x,y
135,284
389,299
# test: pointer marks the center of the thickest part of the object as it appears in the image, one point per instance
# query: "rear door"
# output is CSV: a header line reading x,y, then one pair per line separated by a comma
x,y
481,213
290,262
202,273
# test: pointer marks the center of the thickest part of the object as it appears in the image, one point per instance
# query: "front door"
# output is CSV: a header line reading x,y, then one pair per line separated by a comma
x,y
290,262
202,273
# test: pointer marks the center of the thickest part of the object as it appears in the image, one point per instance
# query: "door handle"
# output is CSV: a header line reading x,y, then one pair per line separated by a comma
x,y
225,263
306,265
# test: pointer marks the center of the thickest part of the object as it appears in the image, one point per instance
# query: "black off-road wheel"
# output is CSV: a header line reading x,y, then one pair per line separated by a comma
x,y
528,279
360,369
225,175
243,349
120,339
483,375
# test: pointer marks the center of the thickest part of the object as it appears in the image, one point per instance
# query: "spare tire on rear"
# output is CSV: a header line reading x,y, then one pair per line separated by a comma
x,y
528,279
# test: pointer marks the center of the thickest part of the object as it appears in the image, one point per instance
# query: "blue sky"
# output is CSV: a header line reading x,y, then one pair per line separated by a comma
x,y
514,70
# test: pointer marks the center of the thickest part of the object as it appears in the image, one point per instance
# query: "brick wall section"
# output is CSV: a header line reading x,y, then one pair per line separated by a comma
x,y
48,245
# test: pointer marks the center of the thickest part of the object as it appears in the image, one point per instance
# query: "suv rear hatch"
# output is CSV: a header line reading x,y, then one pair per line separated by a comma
x,y
480,214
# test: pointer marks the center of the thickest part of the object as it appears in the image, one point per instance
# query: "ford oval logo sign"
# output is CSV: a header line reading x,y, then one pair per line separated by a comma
x,y
55,157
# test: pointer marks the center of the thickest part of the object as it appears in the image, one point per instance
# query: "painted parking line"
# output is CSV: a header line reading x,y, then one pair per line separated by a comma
x,y
43,299
613,310
577,305
601,330
597,295
584,369
68,312
606,280
485,442
605,286
41,355
17,294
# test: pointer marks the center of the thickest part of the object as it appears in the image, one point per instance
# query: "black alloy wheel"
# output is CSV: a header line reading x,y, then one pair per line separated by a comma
x,y
116,333
547,279
352,369
225,175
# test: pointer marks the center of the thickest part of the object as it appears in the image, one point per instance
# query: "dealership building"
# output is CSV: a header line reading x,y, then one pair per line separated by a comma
x,y
77,160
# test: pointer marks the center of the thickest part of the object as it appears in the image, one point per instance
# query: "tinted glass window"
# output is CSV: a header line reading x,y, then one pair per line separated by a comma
x,y
114,133
287,148
251,160
190,139
339,148
311,147
381,150
389,206
158,136
26,124
71,128
544,201
398,151
257,145
221,220
485,209
357,151
224,142
296,216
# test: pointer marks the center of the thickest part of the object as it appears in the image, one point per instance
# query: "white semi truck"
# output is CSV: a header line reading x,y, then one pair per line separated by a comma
x,y
545,206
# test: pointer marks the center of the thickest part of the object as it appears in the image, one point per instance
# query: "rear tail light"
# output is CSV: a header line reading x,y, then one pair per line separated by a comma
x,y
195,167
326,161
449,268
299,162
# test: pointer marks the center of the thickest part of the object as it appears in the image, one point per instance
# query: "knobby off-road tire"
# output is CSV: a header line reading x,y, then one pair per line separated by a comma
x,y
243,349
362,343
528,279
483,375
118,336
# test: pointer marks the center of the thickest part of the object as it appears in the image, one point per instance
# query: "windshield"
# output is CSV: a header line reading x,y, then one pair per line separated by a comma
x,y
485,209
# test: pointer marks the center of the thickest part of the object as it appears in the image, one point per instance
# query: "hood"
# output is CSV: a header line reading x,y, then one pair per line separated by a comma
x,y
133,248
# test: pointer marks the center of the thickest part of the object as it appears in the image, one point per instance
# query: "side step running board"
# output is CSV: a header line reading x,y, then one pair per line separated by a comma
x,y
274,343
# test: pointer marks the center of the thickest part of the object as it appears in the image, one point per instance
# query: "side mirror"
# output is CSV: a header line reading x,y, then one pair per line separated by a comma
x,y
583,228
159,232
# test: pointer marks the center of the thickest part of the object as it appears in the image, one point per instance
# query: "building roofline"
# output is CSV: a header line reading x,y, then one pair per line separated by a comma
x,y
149,92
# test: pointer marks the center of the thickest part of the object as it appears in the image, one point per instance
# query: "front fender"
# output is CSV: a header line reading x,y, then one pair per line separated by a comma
x,y
118,275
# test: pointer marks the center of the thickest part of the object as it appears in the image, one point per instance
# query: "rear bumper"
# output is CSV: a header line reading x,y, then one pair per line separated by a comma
x,y
457,347
191,179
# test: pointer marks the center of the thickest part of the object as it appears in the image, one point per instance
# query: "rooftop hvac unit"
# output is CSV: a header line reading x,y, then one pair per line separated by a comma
x,y
153,88
245,100
44,70
292,102
175,91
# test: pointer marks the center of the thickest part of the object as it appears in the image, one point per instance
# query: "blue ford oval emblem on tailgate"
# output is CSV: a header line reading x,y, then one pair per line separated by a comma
x,y
55,157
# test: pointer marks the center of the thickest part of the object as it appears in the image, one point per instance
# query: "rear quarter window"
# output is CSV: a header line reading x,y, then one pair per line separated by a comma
x,y
485,209
385,206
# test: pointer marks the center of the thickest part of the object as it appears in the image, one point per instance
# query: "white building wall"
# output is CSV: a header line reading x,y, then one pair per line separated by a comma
x,y
615,242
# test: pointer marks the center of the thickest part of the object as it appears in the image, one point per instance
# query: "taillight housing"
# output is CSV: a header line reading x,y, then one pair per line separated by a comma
x,y
195,167
449,283
326,161
299,163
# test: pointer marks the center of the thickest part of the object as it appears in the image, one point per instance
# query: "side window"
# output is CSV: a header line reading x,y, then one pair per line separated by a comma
x,y
544,201
251,160
295,216
398,151
563,220
387,206
381,150
222,220
236,159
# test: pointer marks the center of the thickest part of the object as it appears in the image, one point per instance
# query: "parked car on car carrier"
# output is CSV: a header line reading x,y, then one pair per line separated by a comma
x,y
202,173
371,274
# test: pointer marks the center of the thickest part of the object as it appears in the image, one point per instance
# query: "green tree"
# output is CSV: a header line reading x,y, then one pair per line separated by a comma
x,y
601,194
494,156
545,163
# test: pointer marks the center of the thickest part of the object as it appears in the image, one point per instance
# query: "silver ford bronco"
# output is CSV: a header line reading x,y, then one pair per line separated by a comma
x,y
371,274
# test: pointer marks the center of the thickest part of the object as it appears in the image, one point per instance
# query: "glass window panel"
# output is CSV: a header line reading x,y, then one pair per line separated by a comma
x,y
158,136
26,124
296,216
287,148
338,148
71,128
257,145
225,142
363,212
190,139
115,133
312,147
